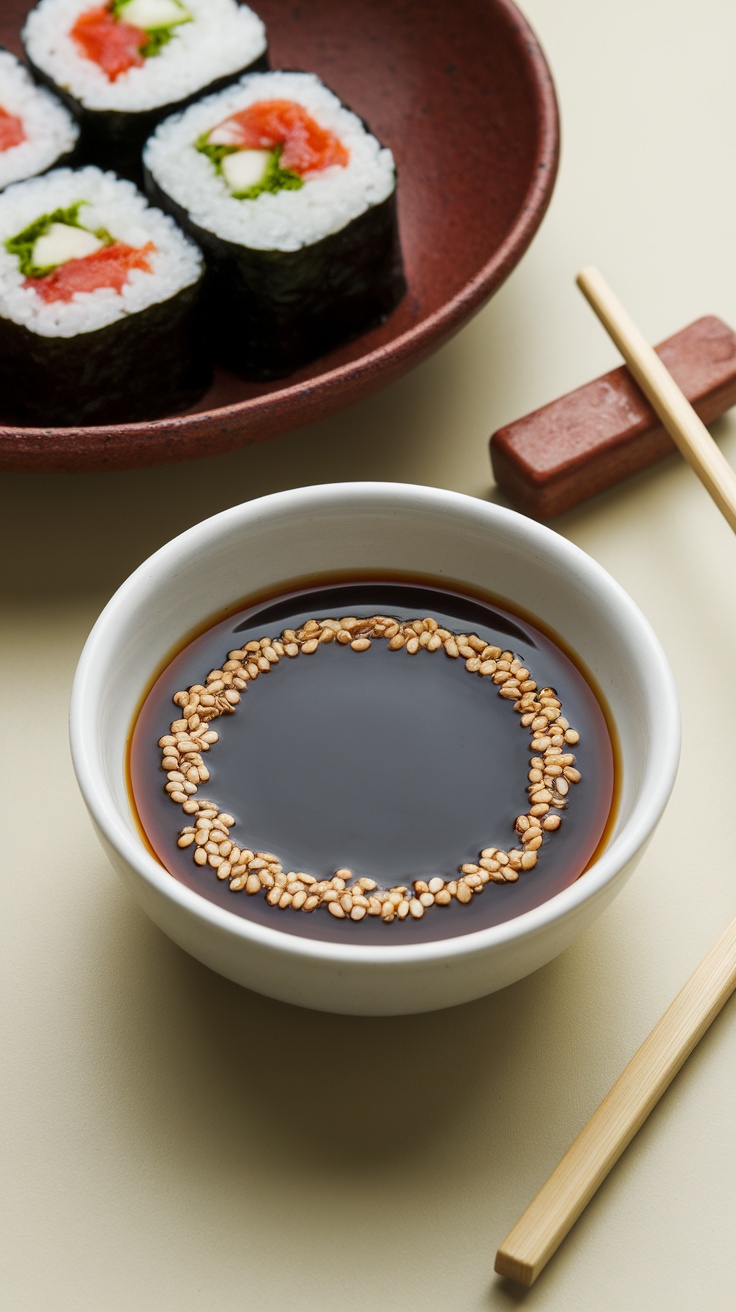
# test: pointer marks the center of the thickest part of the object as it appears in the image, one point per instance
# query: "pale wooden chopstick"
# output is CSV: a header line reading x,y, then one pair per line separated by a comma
x,y
687,431
540,1230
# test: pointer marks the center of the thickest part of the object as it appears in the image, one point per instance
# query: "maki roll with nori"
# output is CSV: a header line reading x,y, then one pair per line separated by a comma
x,y
293,202
98,303
36,131
123,65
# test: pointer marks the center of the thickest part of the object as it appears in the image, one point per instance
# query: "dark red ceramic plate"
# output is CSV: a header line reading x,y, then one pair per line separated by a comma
x,y
461,92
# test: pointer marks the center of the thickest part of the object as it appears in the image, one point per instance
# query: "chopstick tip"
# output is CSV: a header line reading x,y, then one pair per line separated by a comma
x,y
585,275
514,1268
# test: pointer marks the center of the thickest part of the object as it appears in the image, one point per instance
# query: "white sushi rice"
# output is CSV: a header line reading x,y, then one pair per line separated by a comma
x,y
222,38
110,203
284,220
50,129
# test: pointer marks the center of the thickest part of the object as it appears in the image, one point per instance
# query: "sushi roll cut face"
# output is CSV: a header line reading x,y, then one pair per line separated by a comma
x,y
294,202
137,55
98,296
123,65
36,131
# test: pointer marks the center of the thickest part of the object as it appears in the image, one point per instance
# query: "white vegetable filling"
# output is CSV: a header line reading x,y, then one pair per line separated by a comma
x,y
150,14
245,169
50,129
285,220
112,204
221,38
63,242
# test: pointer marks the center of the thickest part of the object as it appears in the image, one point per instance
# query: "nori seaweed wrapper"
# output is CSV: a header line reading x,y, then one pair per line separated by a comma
x,y
140,367
270,312
114,139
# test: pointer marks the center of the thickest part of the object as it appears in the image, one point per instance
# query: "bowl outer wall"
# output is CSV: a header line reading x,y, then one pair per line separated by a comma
x,y
364,525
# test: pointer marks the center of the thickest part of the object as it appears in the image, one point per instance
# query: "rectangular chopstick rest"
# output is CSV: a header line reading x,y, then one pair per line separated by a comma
x,y
592,438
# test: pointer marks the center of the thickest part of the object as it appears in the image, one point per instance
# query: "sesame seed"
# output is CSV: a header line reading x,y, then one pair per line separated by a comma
x,y
552,770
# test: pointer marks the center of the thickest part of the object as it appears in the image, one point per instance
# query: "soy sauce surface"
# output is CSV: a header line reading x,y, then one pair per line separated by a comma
x,y
397,767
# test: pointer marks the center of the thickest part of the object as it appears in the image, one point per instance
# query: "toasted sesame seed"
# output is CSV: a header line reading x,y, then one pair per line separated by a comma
x,y
552,769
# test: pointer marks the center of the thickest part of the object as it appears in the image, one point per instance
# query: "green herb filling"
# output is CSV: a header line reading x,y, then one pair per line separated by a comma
x,y
23,243
158,37
274,179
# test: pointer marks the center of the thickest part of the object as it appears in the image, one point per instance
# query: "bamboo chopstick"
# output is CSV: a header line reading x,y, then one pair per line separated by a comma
x,y
540,1230
686,429
538,1233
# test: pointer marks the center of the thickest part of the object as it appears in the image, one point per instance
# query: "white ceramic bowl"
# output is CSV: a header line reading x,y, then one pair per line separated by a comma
x,y
361,526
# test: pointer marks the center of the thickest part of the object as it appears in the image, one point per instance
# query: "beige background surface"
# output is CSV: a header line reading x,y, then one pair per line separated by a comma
x,y
174,1142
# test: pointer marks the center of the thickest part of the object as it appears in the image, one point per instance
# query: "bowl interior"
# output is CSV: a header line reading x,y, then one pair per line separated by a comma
x,y
462,94
317,531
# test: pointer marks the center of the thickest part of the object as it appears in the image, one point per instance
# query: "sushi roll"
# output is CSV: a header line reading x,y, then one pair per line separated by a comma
x,y
36,131
293,202
98,303
123,65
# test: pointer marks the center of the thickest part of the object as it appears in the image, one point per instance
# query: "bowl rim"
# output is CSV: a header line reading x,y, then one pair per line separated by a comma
x,y
105,445
654,674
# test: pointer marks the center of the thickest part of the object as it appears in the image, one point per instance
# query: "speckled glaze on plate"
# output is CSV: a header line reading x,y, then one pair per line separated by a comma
x,y
463,96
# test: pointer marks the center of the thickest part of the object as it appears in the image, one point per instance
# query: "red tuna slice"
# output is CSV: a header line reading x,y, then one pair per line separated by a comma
x,y
109,267
307,147
115,46
11,130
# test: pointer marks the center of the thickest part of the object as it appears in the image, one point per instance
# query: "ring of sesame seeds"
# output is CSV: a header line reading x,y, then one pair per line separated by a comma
x,y
551,771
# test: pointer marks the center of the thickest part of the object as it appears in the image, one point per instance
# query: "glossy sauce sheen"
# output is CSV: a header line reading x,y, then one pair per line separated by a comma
x,y
398,767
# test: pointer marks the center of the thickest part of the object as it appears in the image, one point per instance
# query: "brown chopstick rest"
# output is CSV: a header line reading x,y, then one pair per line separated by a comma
x,y
594,437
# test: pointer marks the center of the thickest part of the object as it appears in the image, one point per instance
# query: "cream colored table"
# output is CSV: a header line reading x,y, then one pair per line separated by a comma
x,y
176,1143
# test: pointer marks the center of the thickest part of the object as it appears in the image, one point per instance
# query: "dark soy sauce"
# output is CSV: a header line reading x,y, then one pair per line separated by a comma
x,y
397,767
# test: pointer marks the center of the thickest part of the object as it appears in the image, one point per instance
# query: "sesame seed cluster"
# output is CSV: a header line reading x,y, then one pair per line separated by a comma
x,y
551,771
